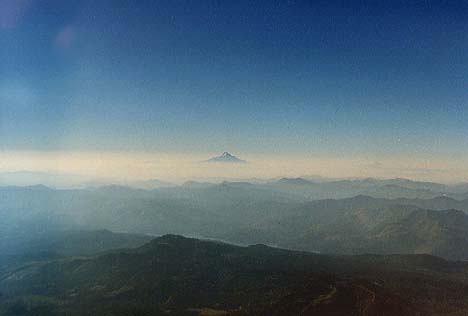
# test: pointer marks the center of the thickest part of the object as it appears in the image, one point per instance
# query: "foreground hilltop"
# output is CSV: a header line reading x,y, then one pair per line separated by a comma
x,y
174,275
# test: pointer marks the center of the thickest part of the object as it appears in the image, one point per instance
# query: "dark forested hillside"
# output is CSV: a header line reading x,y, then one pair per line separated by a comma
x,y
173,275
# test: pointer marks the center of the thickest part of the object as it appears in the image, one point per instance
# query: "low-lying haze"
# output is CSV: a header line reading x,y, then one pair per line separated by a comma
x,y
78,168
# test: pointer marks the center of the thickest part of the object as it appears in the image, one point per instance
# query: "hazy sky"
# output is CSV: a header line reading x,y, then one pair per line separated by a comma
x,y
300,79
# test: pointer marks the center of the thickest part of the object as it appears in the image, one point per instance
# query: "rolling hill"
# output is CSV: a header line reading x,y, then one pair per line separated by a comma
x,y
173,275
245,213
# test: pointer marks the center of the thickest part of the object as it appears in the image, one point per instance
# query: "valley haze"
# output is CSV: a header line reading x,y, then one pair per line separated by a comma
x,y
68,169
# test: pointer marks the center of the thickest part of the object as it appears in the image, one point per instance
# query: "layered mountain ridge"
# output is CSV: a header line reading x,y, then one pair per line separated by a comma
x,y
249,213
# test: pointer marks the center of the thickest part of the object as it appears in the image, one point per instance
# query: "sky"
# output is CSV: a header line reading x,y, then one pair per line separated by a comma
x,y
380,88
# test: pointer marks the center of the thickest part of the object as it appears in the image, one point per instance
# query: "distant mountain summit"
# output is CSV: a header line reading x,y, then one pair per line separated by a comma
x,y
226,157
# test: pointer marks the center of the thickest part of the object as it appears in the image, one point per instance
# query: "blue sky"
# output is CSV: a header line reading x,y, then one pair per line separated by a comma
x,y
272,77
